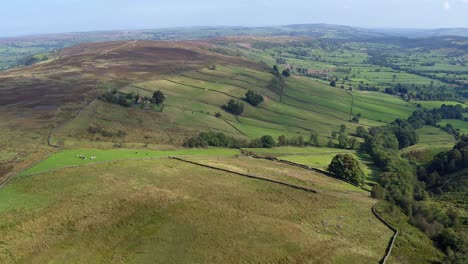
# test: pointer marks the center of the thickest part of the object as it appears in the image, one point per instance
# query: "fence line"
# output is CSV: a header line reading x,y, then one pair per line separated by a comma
x,y
392,240
247,175
300,166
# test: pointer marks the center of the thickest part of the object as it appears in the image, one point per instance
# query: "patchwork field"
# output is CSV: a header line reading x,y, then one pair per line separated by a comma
x,y
133,204
162,210
193,99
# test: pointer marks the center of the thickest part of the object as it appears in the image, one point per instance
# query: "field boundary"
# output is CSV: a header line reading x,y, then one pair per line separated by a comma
x,y
237,129
306,167
391,243
248,175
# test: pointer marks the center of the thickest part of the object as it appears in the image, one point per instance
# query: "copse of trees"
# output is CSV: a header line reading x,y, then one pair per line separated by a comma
x,y
299,141
345,166
158,97
406,186
213,139
127,100
253,98
234,107
206,139
114,97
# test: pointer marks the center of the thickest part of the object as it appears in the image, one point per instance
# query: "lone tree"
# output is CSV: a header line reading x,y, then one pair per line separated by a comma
x,y
253,98
347,167
314,139
233,107
158,97
267,141
286,73
282,140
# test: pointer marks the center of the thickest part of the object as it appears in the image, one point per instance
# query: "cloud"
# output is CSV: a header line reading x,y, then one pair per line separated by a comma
x,y
446,5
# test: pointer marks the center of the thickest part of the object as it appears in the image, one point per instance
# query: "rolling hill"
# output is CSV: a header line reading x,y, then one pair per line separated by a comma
x,y
134,202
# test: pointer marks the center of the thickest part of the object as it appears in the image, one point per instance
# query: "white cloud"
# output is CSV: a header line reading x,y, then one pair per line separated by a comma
x,y
446,5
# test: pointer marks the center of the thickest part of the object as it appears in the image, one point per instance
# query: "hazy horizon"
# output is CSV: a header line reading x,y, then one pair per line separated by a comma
x,y
28,17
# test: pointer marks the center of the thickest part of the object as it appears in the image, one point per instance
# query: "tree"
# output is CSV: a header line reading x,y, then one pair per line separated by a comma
x,y
333,83
334,134
275,71
314,139
378,192
300,141
342,128
345,166
343,141
353,143
282,140
286,73
253,98
233,107
158,97
267,141
361,132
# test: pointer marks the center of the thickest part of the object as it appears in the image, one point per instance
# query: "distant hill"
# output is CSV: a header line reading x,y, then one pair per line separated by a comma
x,y
424,33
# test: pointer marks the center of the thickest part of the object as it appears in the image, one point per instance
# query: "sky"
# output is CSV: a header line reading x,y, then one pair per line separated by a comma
x,y
24,17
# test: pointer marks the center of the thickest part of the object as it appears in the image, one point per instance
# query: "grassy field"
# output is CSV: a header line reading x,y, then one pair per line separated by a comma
x,y
193,99
166,211
457,124
320,158
67,158
432,140
411,246
132,204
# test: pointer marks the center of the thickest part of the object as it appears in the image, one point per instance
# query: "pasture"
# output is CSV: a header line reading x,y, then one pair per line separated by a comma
x,y
71,157
162,210
457,124
193,99
438,104
432,140
320,158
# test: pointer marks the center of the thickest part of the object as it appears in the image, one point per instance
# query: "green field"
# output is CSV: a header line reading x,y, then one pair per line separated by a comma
x,y
432,141
132,204
166,211
67,158
193,98
457,124
438,104
320,158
